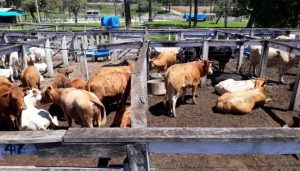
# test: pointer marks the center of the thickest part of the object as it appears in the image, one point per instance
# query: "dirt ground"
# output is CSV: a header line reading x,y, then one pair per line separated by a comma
x,y
273,114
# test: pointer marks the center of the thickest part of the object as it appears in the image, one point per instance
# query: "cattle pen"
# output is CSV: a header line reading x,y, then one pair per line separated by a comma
x,y
138,142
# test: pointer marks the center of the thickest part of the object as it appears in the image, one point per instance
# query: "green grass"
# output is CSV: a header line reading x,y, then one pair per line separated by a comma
x,y
185,24
161,38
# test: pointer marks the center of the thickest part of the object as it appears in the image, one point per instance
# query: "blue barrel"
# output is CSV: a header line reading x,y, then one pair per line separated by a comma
x,y
110,22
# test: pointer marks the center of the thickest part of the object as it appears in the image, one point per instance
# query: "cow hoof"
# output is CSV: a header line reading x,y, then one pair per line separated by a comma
x,y
194,102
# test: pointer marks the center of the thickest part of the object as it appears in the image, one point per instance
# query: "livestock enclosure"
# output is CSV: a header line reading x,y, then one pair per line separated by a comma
x,y
138,142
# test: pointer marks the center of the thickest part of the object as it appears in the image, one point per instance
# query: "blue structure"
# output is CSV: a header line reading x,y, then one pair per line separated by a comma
x,y
103,53
9,15
110,22
200,17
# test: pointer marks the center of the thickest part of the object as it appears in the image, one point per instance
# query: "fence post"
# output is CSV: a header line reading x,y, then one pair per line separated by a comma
x,y
264,59
64,51
138,157
23,57
241,57
74,47
83,61
205,57
169,34
48,58
295,100
97,40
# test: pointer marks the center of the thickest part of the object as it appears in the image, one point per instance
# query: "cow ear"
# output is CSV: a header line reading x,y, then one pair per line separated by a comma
x,y
69,71
49,89
25,90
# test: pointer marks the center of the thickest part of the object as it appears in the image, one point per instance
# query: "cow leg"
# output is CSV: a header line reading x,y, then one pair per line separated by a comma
x,y
281,72
69,121
183,95
174,100
194,94
170,96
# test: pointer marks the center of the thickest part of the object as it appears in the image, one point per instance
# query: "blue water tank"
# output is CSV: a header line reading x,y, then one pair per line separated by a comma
x,y
200,17
110,22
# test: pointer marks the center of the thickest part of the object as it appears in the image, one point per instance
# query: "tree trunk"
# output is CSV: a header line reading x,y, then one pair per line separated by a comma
x,y
127,14
76,19
150,10
169,3
225,13
190,21
33,16
218,19
195,13
115,5
210,6
250,21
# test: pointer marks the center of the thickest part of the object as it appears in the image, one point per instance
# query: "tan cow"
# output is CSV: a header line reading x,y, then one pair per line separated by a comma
x,y
62,78
4,80
113,86
110,69
78,83
181,76
163,60
77,104
11,106
122,118
30,77
243,102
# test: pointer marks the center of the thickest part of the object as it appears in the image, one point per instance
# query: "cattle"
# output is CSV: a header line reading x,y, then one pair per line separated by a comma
x,y
78,105
41,67
40,53
30,77
34,119
125,69
230,85
181,76
111,87
294,123
14,62
122,118
62,78
4,80
78,83
276,59
243,102
122,63
11,106
7,73
163,60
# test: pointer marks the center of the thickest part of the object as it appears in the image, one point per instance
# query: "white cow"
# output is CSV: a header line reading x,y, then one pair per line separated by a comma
x,y
40,53
7,73
33,119
41,67
276,58
230,86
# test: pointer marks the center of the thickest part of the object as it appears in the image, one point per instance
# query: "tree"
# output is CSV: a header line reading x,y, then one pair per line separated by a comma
x,y
74,6
195,12
16,3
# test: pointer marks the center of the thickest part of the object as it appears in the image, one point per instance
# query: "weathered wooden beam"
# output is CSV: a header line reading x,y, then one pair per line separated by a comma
x,y
146,135
124,45
64,51
263,60
295,100
83,60
241,57
138,157
49,59
98,150
34,168
284,47
205,57
10,49
139,93
31,137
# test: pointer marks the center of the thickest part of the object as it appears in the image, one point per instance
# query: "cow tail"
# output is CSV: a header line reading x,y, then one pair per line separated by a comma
x,y
99,104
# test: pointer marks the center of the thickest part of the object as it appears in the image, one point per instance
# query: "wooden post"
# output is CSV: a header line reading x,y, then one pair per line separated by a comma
x,y
23,57
241,57
10,27
74,48
295,100
97,40
48,58
64,51
5,39
169,35
181,36
56,28
138,157
83,61
205,57
264,59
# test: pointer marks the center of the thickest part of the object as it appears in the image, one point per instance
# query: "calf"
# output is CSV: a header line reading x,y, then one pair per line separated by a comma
x,y
242,102
34,119
7,73
41,67
80,105
30,77
40,53
230,85
62,78
114,86
163,60
11,106
122,118
181,76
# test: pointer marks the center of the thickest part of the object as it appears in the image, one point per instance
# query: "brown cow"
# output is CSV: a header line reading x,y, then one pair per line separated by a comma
x,y
4,80
181,76
114,85
78,83
11,106
243,102
80,105
30,77
62,78
122,118
163,60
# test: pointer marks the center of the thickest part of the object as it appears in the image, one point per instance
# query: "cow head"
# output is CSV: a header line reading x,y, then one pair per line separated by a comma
x,y
207,66
259,82
34,96
14,99
65,72
50,95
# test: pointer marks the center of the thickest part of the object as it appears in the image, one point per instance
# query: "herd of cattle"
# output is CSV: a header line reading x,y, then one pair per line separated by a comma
x,y
85,102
